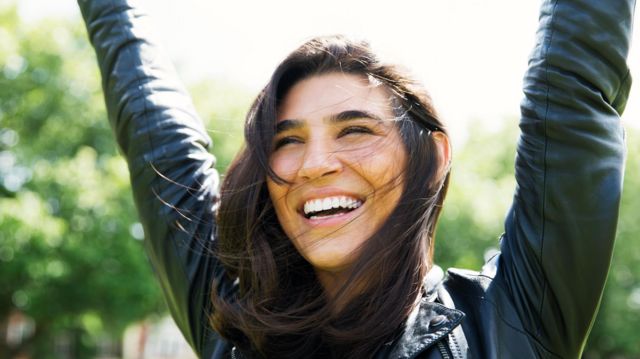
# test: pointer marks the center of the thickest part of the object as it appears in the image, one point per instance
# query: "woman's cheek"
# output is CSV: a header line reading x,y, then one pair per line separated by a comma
x,y
385,168
285,164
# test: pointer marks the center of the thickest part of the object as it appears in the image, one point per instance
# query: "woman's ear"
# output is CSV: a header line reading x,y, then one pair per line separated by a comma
x,y
444,152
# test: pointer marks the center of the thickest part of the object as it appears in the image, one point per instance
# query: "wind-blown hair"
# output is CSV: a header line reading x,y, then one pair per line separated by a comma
x,y
280,309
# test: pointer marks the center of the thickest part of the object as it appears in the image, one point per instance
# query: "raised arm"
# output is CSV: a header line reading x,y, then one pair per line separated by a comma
x,y
172,174
569,167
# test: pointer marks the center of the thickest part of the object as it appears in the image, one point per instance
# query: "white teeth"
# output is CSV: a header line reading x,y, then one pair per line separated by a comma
x,y
326,204
317,205
313,206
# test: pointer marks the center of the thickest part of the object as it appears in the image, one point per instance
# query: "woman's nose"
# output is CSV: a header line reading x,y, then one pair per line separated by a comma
x,y
319,160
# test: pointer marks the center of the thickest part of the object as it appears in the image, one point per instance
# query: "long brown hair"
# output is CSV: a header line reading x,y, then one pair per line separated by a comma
x,y
280,309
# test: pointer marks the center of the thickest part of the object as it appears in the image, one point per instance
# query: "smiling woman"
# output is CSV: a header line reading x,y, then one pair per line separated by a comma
x,y
336,127
320,240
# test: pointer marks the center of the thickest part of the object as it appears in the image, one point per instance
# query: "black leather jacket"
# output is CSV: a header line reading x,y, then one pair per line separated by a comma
x,y
537,298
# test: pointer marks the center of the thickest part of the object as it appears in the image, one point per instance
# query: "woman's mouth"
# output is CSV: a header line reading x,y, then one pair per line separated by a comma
x,y
330,206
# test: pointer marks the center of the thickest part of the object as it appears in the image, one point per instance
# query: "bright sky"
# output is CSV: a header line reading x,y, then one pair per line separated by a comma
x,y
471,54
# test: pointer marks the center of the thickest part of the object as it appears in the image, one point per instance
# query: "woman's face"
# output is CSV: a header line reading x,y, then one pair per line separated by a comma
x,y
340,151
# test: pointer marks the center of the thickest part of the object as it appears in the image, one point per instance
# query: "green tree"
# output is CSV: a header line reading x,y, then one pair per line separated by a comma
x,y
67,252
71,254
223,107
480,193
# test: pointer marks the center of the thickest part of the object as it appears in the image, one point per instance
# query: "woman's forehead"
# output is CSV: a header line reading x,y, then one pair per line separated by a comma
x,y
324,96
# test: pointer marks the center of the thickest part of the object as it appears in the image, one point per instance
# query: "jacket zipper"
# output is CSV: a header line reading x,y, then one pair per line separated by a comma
x,y
443,350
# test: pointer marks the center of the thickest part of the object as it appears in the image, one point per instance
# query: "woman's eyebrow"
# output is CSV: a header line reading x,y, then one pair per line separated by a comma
x,y
292,124
352,115
286,125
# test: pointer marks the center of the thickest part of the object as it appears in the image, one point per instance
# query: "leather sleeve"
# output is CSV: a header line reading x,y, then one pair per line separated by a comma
x,y
166,146
560,231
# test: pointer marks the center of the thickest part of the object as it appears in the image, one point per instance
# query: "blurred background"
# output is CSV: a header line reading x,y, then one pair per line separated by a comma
x,y
74,280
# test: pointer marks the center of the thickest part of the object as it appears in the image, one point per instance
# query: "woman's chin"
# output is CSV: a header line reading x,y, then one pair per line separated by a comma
x,y
330,263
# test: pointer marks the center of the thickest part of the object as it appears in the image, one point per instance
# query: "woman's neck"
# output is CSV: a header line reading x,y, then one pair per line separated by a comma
x,y
331,282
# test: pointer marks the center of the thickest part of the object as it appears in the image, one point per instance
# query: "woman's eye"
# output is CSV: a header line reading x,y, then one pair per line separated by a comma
x,y
286,141
355,130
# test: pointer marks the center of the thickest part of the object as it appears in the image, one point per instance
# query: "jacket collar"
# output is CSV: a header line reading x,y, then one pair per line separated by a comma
x,y
430,321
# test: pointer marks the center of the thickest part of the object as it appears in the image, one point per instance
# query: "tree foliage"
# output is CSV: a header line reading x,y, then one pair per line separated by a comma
x,y
480,193
71,254
68,256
